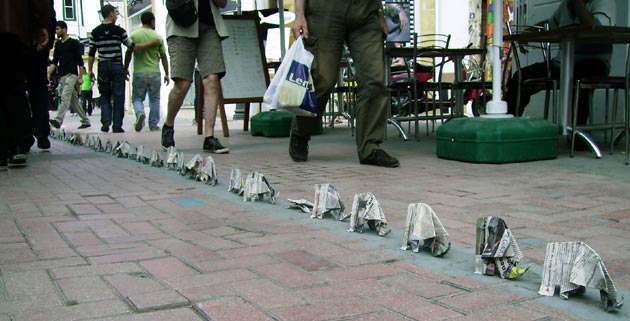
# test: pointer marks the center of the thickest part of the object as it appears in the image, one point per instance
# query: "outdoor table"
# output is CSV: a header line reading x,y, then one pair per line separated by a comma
x,y
567,37
457,54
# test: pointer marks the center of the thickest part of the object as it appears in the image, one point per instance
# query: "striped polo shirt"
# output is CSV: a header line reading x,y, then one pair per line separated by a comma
x,y
107,39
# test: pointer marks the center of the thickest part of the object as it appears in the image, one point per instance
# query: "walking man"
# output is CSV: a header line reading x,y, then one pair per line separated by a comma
x,y
107,39
66,58
325,25
200,41
146,72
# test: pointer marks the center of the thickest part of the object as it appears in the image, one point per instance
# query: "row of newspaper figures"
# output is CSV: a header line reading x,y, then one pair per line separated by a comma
x,y
571,265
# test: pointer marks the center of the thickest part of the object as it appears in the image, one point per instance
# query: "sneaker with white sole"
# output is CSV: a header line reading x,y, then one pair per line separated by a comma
x,y
212,145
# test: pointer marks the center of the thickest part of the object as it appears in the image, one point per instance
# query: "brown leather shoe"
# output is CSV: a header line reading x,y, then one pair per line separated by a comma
x,y
380,158
298,148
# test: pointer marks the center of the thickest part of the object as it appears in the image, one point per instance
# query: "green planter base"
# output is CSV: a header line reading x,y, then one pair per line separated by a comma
x,y
497,140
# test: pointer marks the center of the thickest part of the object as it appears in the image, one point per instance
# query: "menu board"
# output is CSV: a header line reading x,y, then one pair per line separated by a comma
x,y
246,77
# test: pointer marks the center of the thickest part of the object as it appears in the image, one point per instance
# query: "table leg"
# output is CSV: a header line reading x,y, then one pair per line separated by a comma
x,y
566,83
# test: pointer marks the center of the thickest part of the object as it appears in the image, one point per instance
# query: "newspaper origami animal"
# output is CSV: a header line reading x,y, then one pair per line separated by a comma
x,y
122,150
209,172
574,266
108,146
237,182
366,209
301,204
496,249
171,158
193,167
74,139
54,133
143,156
424,229
133,152
116,146
181,164
156,159
328,201
88,141
257,187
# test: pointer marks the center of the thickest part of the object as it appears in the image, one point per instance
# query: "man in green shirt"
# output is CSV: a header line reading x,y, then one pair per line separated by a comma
x,y
146,73
86,93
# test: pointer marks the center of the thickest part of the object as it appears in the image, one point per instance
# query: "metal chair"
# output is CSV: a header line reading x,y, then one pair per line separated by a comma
x,y
549,83
615,83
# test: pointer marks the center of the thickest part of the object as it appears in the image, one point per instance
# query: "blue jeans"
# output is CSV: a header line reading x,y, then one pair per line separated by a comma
x,y
111,82
147,83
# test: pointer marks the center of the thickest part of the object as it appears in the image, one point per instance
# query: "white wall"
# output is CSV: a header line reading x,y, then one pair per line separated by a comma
x,y
452,18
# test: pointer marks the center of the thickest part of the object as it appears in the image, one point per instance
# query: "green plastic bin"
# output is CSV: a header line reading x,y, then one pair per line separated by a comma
x,y
271,124
497,141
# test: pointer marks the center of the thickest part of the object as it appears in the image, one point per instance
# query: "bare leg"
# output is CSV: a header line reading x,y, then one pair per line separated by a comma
x,y
175,100
211,101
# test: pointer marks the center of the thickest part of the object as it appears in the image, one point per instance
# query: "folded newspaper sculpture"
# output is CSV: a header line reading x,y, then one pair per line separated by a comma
x,y
74,139
257,188
54,133
328,201
424,229
88,141
209,172
171,158
117,145
143,155
366,209
496,249
108,146
98,145
122,150
133,152
237,182
156,159
193,167
181,164
301,204
574,266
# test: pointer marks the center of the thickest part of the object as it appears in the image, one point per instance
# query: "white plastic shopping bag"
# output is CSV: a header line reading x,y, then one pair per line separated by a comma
x,y
292,89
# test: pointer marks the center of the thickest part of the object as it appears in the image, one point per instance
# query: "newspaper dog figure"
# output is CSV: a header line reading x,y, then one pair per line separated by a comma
x,y
193,167
133,152
257,187
171,158
108,146
366,209
181,164
156,159
117,146
424,229
143,156
574,266
301,204
209,172
122,150
328,201
496,249
237,182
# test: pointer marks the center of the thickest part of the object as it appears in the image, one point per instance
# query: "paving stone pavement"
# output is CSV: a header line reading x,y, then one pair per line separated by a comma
x,y
87,236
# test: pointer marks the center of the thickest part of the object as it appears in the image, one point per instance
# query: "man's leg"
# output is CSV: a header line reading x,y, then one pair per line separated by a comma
x,y
105,89
37,87
67,89
85,122
589,68
538,70
366,46
118,88
211,85
139,91
155,83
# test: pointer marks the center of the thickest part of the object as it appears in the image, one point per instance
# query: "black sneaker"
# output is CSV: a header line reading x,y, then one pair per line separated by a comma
x,y
118,130
212,145
85,126
43,143
379,157
105,127
55,123
139,122
167,137
18,159
298,148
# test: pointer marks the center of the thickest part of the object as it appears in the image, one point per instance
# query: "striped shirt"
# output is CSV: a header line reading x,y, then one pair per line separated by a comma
x,y
107,39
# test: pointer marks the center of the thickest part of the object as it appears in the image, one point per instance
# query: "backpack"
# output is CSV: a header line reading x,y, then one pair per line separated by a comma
x,y
183,12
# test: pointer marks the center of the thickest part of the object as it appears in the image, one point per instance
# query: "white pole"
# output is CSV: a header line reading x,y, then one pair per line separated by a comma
x,y
281,25
497,107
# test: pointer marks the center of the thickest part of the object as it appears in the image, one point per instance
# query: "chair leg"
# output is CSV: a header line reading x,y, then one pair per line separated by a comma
x,y
576,99
614,117
627,122
546,109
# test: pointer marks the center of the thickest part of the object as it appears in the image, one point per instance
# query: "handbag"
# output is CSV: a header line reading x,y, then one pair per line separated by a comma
x,y
183,12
